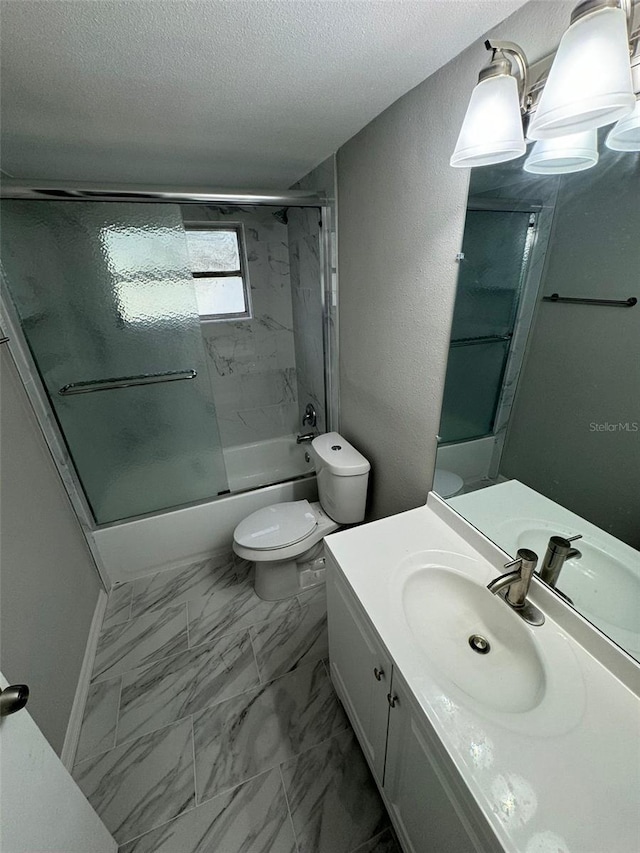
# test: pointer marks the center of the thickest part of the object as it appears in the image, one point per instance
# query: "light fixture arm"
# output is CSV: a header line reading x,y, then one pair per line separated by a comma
x,y
507,57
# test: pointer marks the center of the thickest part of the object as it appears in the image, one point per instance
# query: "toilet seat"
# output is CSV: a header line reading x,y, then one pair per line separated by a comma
x,y
446,483
276,526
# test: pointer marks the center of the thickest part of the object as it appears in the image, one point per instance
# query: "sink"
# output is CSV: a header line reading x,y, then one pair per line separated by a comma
x,y
598,583
444,608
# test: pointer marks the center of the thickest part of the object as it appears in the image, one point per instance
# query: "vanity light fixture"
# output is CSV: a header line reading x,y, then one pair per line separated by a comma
x,y
565,154
625,134
589,84
492,127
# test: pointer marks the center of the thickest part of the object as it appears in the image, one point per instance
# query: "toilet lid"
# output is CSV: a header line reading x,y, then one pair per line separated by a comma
x,y
446,483
276,526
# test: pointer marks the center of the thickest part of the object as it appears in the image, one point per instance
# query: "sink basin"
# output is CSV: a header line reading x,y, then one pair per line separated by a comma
x,y
598,583
444,608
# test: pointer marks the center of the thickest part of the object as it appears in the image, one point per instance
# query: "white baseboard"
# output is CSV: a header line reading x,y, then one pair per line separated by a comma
x,y
72,735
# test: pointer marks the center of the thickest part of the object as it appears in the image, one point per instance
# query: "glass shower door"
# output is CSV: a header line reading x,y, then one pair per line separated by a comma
x,y
495,248
105,297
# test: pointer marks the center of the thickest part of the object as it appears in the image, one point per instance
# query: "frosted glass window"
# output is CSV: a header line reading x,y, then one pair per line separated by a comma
x,y
217,264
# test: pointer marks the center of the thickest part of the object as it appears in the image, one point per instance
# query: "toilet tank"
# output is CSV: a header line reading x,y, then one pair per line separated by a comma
x,y
343,476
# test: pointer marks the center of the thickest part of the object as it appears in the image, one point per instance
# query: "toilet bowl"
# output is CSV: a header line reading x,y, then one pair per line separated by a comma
x,y
446,483
285,541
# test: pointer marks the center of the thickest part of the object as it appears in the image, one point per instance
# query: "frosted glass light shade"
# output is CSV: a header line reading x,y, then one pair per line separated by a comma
x,y
589,83
625,135
492,127
564,154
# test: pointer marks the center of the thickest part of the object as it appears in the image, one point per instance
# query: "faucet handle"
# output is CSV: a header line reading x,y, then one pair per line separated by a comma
x,y
525,559
573,538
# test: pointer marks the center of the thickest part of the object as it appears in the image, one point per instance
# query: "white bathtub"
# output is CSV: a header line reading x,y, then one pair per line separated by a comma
x,y
132,549
251,466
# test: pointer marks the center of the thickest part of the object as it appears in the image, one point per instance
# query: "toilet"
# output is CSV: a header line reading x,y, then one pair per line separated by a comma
x,y
446,483
284,540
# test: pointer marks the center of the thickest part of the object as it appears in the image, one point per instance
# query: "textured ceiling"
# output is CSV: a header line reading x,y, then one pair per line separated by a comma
x,y
224,93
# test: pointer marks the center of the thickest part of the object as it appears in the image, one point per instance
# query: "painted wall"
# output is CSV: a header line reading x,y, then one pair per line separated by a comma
x,y
401,219
252,363
49,585
582,370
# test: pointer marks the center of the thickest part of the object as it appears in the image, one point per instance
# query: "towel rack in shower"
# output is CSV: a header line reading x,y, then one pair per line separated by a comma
x,y
622,303
125,382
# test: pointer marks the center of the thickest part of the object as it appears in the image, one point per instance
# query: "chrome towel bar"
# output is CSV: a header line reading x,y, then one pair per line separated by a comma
x,y
622,303
125,382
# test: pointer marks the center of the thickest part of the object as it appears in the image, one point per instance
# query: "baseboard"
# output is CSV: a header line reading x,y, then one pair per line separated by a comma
x,y
72,735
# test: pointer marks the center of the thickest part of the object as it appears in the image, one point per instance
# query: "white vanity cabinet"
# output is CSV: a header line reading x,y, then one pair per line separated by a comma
x,y
360,670
421,787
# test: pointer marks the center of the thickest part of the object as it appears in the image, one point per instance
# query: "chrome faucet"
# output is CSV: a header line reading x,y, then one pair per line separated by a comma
x,y
514,586
558,550
307,436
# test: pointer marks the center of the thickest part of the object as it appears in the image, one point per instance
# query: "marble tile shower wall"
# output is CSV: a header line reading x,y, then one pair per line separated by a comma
x,y
252,362
304,253
322,179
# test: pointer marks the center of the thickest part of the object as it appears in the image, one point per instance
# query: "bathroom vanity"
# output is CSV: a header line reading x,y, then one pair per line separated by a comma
x,y
530,745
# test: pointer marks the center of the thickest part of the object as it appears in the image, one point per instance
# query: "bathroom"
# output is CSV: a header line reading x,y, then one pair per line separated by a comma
x,y
367,221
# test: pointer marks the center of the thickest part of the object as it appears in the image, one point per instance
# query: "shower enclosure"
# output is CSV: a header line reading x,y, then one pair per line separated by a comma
x,y
490,325
174,339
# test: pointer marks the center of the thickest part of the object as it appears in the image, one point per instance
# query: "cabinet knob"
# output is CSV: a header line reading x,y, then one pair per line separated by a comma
x,y
392,700
379,673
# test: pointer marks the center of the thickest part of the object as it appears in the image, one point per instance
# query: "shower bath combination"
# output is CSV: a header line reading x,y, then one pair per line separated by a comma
x,y
150,403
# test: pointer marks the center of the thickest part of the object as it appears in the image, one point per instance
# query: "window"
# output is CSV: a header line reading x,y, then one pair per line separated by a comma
x,y
219,270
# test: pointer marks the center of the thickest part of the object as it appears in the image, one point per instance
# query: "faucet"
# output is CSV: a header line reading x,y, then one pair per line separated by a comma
x,y
514,586
558,550
309,418
307,436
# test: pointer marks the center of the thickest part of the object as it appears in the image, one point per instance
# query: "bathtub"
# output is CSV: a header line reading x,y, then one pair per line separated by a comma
x,y
262,463
259,474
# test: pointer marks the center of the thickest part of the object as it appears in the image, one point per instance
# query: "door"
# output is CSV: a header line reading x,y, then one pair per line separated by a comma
x,y
105,297
42,810
423,795
358,660
496,250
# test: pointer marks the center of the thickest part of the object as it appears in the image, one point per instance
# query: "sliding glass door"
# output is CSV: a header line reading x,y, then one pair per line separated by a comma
x,y
105,297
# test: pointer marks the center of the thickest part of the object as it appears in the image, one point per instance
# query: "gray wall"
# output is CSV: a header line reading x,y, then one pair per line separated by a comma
x,y
401,218
48,582
583,364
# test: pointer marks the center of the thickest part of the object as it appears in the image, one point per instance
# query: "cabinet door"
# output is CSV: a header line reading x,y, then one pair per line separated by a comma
x,y
420,791
360,669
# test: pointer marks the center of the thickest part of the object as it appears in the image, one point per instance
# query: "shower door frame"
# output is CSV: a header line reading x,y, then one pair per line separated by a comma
x,y
25,363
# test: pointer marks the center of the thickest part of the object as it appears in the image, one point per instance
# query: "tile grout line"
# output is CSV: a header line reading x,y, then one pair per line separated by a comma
x,y
195,775
286,799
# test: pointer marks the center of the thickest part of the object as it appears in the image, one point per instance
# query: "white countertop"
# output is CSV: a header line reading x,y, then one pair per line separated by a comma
x,y
563,777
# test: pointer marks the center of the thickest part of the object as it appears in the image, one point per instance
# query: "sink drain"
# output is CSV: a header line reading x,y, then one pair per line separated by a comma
x,y
479,644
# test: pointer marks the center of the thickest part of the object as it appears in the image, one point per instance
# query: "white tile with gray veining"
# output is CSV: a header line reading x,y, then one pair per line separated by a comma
x,y
176,586
185,683
240,738
156,788
251,818
143,783
118,608
98,732
231,609
295,639
141,641
334,803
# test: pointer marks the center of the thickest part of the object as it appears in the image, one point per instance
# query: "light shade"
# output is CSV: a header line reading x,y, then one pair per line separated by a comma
x,y
589,83
625,135
565,154
492,127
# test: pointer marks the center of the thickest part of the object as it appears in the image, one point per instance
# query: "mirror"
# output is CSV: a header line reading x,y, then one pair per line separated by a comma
x,y
540,427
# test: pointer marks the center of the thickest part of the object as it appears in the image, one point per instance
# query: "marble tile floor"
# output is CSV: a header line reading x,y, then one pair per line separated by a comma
x,y
212,726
